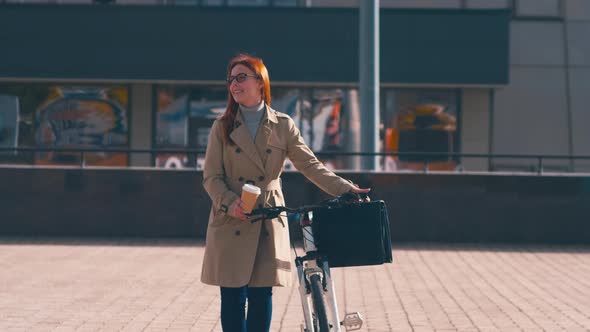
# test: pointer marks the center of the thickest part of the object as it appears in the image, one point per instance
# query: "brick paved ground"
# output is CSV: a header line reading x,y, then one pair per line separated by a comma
x,y
149,285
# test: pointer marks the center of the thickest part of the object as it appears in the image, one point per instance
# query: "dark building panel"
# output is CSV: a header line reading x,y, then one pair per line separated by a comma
x,y
445,46
298,44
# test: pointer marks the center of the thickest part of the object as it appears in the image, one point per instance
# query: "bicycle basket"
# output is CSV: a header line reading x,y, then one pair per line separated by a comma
x,y
355,235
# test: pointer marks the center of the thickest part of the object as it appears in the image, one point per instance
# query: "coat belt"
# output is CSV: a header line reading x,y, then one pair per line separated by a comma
x,y
269,186
275,184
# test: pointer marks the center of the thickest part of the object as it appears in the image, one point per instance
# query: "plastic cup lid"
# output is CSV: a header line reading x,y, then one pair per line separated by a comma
x,y
251,188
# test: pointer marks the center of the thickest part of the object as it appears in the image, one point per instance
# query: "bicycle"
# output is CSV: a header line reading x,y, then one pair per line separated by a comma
x,y
316,286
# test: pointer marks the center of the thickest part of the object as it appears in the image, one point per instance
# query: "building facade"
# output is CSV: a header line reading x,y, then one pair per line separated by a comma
x,y
462,76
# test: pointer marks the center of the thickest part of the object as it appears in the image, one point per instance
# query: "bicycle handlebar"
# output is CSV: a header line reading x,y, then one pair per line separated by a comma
x,y
272,212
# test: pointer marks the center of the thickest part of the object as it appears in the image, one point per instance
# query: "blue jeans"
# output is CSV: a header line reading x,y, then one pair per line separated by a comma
x,y
233,309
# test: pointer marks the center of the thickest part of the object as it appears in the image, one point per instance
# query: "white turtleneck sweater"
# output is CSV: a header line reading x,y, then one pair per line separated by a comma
x,y
252,116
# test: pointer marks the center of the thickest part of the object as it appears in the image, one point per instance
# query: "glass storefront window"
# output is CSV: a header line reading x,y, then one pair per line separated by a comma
x,y
421,121
65,116
184,115
414,120
327,119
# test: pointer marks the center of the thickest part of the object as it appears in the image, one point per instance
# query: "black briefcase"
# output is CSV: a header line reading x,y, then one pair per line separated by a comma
x,y
355,235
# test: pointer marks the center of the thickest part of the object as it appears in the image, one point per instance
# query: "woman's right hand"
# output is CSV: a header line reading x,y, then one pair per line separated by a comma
x,y
236,210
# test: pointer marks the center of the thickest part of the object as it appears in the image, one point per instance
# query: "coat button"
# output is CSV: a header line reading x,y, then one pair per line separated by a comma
x,y
238,150
241,179
237,233
269,151
261,178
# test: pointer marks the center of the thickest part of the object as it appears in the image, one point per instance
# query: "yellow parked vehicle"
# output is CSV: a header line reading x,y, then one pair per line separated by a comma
x,y
424,128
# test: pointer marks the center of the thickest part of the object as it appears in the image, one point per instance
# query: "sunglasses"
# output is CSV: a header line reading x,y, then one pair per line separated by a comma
x,y
240,78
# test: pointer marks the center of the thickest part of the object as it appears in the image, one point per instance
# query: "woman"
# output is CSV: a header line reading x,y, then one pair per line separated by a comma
x,y
249,144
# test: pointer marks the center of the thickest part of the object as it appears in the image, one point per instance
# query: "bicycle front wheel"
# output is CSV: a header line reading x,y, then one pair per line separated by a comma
x,y
319,306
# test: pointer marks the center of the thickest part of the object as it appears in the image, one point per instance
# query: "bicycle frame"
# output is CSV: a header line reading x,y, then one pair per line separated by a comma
x,y
314,264
314,276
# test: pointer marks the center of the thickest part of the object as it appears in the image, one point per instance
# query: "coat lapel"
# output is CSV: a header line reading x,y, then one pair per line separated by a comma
x,y
262,137
243,140
265,129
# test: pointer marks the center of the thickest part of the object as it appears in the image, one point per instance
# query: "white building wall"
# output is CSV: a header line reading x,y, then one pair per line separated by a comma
x,y
545,108
531,112
475,124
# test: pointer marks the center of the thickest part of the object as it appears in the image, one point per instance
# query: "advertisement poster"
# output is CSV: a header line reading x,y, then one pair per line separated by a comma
x,y
83,117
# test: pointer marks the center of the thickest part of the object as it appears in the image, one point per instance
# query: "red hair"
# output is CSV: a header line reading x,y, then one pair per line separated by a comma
x,y
257,66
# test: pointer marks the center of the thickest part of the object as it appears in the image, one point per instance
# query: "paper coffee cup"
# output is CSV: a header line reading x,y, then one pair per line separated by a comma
x,y
250,194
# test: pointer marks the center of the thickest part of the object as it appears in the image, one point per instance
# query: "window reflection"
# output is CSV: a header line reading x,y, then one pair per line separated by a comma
x,y
421,121
185,114
67,116
322,116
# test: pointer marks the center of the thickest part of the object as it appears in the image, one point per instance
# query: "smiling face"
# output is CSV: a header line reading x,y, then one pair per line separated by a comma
x,y
249,91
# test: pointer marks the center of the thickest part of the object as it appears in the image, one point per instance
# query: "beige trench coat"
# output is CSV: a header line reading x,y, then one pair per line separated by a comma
x,y
240,253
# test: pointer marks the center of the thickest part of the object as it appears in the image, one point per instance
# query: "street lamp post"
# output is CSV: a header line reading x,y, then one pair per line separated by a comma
x,y
369,80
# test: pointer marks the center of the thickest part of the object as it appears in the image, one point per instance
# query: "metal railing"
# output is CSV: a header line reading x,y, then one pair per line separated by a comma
x,y
29,155
401,161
